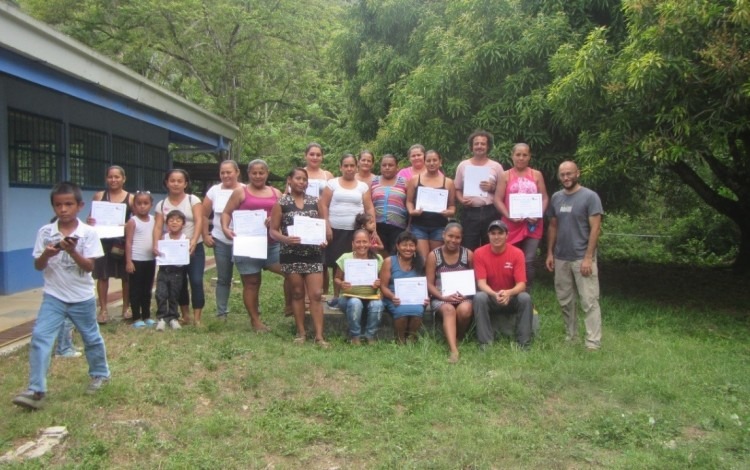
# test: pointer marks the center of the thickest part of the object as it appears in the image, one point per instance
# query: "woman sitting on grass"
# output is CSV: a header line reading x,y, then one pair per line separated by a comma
x,y
356,298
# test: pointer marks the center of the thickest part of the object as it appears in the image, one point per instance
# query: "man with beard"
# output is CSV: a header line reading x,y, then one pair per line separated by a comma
x,y
575,221
478,202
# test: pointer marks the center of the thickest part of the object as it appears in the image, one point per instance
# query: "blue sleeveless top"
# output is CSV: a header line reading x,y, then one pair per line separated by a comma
x,y
401,310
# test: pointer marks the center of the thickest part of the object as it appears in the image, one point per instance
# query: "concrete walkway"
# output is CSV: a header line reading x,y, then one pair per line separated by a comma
x,y
18,312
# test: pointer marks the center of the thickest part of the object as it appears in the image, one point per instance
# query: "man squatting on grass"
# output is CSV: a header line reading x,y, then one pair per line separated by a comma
x,y
575,221
500,270
65,251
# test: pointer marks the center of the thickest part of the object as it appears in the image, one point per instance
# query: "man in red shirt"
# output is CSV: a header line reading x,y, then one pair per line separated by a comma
x,y
500,270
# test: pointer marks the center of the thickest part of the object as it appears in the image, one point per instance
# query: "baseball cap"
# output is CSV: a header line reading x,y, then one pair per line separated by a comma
x,y
498,224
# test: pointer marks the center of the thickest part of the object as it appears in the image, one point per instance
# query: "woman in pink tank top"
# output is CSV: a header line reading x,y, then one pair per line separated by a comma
x,y
255,196
524,233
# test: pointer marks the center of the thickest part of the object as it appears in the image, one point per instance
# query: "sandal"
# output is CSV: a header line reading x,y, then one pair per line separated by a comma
x,y
453,358
127,314
299,339
102,317
323,344
262,329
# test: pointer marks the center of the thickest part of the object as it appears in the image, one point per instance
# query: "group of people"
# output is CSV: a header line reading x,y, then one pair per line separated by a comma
x,y
367,217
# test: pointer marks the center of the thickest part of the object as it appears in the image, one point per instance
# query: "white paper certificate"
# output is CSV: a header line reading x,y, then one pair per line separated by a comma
x,y
473,175
250,246
313,188
222,197
311,231
411,290
110,218
360,272
432,199
251,235
249,223
525,205
461,282
173,253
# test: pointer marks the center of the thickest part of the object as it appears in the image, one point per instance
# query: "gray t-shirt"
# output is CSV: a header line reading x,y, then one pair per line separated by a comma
x,y
572,212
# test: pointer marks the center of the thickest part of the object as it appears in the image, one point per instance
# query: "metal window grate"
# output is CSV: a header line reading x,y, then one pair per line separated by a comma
x,y
36,149
89,158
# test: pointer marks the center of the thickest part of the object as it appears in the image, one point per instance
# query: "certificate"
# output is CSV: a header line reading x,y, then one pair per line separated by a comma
x,y
250,223
313,188
251,235
473,175
222,197
311,231
432,199
411,290
250,246
173,253
110,218
525,205
360,272
461,282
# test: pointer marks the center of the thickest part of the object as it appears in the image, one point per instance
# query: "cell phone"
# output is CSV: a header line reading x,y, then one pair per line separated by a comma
x,y
67,239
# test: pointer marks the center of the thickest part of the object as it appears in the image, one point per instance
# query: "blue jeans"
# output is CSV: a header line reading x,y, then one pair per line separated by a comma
x,y
195,276
52,314
65,339
353,307
224,270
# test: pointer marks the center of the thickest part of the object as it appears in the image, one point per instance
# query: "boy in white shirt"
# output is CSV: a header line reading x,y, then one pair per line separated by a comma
x,y
65,251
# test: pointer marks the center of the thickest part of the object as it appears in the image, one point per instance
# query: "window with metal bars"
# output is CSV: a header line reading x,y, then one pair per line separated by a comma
x,y
155,165
89,157
36,149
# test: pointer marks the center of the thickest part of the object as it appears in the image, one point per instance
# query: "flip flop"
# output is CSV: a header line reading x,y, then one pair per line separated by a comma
x,y
102,318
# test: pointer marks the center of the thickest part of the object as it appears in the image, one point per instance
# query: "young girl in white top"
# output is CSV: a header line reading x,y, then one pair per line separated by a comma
x,y
139,258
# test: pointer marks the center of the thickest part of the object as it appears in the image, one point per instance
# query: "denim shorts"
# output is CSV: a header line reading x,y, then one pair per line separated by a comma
x,y
427,233
247,265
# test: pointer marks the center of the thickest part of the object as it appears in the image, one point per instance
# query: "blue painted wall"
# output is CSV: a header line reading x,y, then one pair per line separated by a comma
x,y
18,273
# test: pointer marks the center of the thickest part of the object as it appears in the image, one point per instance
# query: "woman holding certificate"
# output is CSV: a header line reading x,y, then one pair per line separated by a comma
x,y
430,200
341,201
357,277
301,257
215,201
112,264
259,198
523,214
404,288
452,300
177,182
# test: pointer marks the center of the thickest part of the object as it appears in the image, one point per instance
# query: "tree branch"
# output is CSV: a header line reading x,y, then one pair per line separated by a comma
x,y
724,205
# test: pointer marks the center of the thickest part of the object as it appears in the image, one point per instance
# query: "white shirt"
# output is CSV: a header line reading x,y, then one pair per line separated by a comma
x,y
63,278
345,204
214,195
143,239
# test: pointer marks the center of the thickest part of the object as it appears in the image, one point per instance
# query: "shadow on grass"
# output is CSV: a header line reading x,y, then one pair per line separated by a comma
x,y
717,290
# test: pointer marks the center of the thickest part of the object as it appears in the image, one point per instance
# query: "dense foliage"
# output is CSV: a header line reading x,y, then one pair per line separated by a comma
x,y
642,93
260,63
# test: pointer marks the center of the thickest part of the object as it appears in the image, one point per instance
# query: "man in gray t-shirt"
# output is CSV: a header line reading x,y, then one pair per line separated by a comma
x,y
575,221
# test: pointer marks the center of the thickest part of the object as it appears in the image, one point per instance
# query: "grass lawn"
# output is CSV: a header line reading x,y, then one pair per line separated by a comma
x,y
669,389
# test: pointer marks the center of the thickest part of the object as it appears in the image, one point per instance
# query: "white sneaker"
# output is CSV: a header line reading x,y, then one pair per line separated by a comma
x,y
161,326
174,324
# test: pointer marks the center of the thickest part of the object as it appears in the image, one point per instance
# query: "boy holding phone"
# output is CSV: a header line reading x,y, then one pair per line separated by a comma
x,y
65,251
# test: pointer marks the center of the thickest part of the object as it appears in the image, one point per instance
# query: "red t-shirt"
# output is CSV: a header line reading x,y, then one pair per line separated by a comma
x,y
502,271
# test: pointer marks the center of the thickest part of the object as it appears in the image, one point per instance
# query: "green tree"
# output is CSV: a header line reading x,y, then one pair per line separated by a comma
x,y
674,95
433,71
260,63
